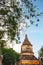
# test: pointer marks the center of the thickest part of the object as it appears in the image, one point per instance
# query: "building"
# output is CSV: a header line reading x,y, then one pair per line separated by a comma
x,y
27,55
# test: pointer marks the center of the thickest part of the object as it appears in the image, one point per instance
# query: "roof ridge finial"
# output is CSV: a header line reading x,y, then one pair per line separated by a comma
x,y
26,36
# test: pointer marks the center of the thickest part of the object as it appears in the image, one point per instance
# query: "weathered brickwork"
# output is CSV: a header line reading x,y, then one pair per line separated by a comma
x,y
27,55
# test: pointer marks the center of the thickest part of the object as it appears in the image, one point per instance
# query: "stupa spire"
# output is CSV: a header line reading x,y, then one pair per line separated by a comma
x,y
26,41
26,36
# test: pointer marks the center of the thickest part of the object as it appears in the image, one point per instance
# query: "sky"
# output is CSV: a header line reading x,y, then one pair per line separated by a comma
x,y
34,34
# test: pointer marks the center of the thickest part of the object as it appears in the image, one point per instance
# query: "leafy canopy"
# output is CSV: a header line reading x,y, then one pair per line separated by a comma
x,y
9,56
13,13
41,55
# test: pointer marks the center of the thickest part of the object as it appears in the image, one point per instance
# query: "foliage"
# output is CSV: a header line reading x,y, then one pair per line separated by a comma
x,y
1,34
13,13
2,43
9,16
9,56
41,55
30,11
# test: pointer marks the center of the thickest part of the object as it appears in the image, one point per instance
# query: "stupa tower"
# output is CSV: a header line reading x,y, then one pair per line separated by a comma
x,y
26,48
27,55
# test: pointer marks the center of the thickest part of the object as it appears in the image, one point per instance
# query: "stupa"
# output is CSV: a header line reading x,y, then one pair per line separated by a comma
x,y
27,55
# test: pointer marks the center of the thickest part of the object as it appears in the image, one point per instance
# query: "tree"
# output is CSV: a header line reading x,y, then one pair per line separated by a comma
x,y
9,56
2,45
9,16
13,13
41,55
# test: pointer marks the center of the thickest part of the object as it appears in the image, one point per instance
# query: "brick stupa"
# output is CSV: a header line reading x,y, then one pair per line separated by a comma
x,y
27,55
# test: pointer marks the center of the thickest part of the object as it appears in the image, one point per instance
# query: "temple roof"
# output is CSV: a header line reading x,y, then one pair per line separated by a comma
x,y
26,41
